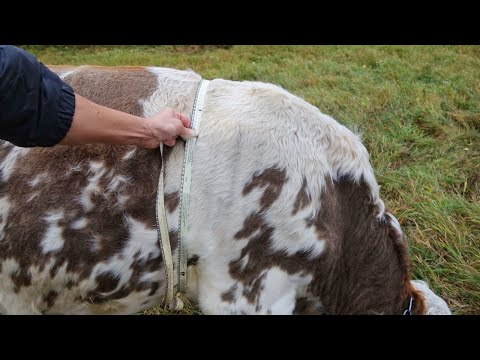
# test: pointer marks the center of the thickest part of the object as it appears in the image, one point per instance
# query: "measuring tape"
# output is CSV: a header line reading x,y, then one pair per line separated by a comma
x,y
187,182
161,217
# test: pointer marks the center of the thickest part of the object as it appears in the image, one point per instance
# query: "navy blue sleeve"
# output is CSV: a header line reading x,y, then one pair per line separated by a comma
x,y
36,106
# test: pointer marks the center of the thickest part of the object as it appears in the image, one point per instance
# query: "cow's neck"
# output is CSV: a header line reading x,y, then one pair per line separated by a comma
x,y
365,268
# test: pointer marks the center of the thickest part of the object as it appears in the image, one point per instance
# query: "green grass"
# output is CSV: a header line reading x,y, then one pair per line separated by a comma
x,y
417,107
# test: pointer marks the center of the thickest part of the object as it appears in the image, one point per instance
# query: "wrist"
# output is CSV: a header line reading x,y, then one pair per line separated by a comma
x,y
141,131
142,134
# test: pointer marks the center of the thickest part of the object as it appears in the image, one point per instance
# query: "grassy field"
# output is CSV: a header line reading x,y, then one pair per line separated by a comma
x,y
418,108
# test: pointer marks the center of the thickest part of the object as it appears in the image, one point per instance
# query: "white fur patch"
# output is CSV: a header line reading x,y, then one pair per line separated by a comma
x,y
38,179
280,290
97,170
33,196
53,241
122,199
95,242
7,165
79,224
396,225
129,154
10,266
144,240
4,210
116,182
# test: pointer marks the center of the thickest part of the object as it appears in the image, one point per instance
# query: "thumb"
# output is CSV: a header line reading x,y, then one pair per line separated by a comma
x,y
188,134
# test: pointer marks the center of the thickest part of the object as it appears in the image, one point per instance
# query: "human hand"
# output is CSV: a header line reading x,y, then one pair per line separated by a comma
x,y
165,127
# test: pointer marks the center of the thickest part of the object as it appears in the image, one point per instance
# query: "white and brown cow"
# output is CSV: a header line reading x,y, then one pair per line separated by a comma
x,y
285,210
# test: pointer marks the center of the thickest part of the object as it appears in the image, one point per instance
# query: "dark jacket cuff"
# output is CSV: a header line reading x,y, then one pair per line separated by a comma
x,y
64,118
36,106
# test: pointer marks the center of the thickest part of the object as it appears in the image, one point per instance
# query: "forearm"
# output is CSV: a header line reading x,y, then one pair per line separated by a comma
x,y
93,123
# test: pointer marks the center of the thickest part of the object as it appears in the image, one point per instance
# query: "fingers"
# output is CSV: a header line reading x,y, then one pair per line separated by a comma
x,y
169,143
187,134
184,119
169,124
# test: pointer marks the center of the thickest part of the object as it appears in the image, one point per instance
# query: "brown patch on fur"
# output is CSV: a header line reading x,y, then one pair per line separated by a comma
x,y
261,257
21,278
118,68
107,282
70,284
50,298
273,180
118,88
364,268
327,218
193,261
305,306
302,200
229,296
253,291
250,225
154,286
171,201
